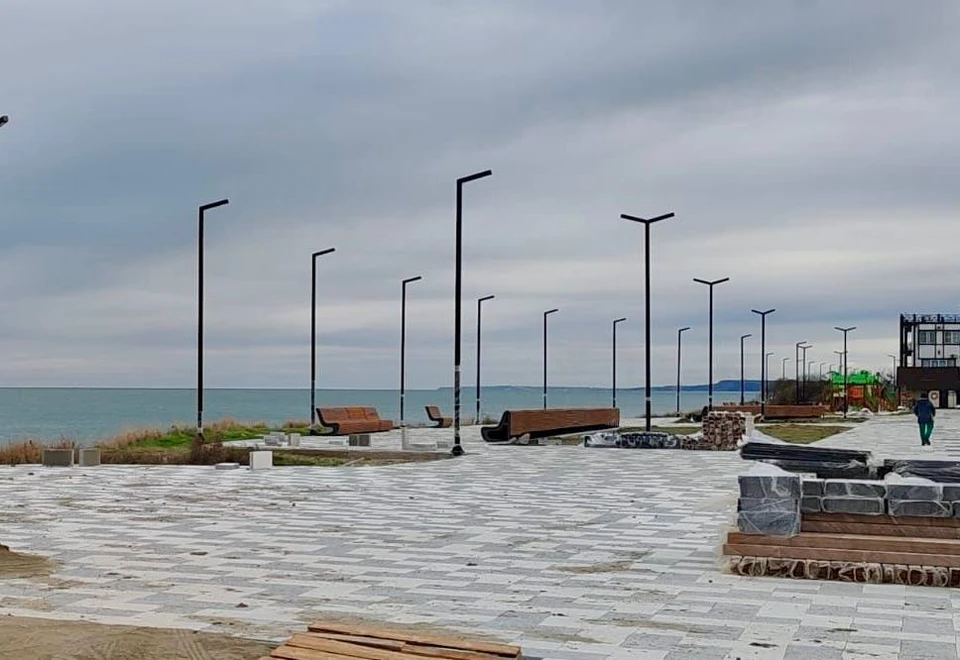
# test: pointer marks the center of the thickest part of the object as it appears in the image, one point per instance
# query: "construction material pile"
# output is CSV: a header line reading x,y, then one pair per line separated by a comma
x,y
824,462
722,431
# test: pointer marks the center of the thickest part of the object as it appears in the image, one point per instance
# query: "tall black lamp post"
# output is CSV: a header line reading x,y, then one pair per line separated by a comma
x,y
803,362
763,352
614,379
783,368
711,284
200,213
821,370
766,367
646,234
742,337
480,302
403,341
845,331
797,363
313,336
457,447
545,315
679,338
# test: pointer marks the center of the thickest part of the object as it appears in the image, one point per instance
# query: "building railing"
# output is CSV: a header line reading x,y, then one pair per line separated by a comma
x,y
931,318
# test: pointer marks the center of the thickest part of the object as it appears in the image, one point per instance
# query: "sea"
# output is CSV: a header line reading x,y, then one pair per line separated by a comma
x,y
87,415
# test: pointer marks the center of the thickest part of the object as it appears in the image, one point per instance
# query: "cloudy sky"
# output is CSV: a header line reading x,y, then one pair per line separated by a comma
x,y
810,151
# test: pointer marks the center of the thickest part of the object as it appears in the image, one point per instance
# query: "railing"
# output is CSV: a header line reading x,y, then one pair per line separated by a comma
x,y
931,318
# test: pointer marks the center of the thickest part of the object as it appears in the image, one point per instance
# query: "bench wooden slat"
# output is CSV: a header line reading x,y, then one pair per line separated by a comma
x,y
551,421
434,415
355,419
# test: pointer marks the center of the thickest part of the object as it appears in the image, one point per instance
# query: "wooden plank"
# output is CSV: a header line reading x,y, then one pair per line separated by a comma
x,y
882,520
852,542
495,648
347,649
294,653
835,554
448,653
390,644
895,529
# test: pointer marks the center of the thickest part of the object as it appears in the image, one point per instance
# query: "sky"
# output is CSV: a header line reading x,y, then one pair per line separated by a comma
x,y
809,150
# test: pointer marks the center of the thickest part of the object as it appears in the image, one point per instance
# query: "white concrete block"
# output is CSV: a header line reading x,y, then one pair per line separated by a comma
x,y
261,460
89,456
226,466
293,439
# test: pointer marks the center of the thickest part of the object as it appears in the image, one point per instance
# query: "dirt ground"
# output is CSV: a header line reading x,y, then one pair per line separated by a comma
x,y
16,565
46,639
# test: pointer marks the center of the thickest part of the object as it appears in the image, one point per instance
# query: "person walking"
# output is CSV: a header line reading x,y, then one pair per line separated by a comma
x,y
925,413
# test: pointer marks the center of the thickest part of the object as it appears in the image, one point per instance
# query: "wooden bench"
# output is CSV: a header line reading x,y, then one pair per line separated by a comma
x,y
434,415
346,421
778,411
549,422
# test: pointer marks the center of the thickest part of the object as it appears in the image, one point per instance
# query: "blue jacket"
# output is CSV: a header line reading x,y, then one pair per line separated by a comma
x,y
924,411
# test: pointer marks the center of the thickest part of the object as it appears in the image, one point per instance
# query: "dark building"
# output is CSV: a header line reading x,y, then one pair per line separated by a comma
x,y
930,357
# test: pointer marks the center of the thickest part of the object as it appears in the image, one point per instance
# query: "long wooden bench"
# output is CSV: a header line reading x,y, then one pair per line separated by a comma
x,y
549,422
344,421
778,411
434,415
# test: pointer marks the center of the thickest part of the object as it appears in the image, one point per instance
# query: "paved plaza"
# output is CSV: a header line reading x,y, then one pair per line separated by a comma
x,y
574,553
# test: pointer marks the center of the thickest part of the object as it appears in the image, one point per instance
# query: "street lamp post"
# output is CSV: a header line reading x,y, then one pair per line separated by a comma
x,y
457,448
200,216
403,341
845,394
766,367
841,358
783,368
796,363
646,227
763,352
615,322
803,382
679,336
480,302
711,284
742,337
896,380
545,315
821,370
313,336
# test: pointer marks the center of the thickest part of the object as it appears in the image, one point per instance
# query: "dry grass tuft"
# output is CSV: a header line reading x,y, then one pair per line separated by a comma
x,y
29,451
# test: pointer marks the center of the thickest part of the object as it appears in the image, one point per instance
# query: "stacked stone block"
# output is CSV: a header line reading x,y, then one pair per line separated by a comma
x,y
919,499
769,504
723,430
858,496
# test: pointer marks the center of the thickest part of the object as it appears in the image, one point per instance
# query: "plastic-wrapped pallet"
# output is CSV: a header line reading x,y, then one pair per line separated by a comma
x,y
769,502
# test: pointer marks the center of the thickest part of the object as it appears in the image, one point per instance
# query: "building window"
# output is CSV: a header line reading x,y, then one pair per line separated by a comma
x,y
951,336
927,337
938,362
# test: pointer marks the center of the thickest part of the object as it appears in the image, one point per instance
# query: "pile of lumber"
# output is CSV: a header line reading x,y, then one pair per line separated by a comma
x,y
337,641
855,548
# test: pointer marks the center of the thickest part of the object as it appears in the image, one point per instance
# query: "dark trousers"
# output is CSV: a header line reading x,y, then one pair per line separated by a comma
x,y
926,430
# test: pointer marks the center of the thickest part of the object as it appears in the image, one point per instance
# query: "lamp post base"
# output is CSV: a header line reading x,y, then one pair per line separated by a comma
x,y
457,450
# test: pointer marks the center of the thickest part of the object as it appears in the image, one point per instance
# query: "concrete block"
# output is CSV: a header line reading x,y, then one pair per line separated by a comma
x,y
89,456
293,439
773,524
921,508
811,487
769,486
914,492
951,492
58,457
271,441
261,460
854,488
337,442
810,505
360,440
226,466
861,505
769,504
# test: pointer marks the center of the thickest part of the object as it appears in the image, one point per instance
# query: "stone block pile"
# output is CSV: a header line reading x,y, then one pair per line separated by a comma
x,y
722,431
633,440
910,497
769,502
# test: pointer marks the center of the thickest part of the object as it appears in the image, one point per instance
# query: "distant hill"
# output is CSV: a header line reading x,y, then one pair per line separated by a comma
x,y
719,386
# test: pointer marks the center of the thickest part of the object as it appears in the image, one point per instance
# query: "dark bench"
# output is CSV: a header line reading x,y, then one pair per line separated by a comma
x,y
434,415
345,421
549,422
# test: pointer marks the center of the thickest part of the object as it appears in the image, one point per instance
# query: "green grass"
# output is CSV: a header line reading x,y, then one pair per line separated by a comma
x,y
801,434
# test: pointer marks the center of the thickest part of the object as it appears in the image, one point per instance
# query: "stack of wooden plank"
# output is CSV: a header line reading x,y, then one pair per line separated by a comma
x,y
336,641
856,548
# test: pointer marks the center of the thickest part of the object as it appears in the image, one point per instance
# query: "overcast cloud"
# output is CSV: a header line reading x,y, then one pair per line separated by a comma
x,y
809,149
